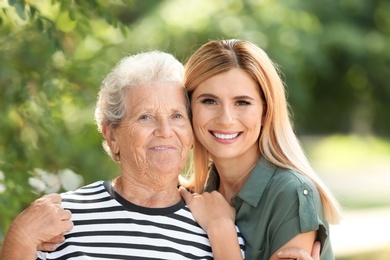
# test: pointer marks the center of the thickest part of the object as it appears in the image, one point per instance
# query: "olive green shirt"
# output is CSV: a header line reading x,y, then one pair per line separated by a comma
x,y
273,206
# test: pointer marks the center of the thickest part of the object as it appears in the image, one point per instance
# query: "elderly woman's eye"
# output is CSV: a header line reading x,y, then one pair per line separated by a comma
x,y
144,117
177,116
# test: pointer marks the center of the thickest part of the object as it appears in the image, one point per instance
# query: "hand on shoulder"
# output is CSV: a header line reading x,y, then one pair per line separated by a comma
x,y
38,227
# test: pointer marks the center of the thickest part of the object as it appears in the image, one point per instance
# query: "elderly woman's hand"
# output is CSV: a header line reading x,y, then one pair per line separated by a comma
x,y
47,222
39,227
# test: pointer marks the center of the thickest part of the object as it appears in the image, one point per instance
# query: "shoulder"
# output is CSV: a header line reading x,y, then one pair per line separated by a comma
x,y
96,189
293,187
288,187
290,181
289,175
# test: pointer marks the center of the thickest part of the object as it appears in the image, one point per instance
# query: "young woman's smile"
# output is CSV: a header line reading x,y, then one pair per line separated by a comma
x,y
225,136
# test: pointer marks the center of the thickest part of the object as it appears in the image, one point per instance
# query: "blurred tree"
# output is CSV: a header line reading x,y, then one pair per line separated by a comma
x,y
52,61
346,73
334,57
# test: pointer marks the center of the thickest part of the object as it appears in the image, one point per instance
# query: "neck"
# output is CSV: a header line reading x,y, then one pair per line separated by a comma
x,y
147,194
233,174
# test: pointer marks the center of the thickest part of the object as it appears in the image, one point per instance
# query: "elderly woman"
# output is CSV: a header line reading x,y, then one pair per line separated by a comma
x,y
143,114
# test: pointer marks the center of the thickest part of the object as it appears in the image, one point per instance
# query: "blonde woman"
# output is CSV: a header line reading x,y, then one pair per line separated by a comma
x,y
246,150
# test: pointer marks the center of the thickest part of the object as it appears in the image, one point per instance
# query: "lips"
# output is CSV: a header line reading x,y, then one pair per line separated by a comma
x,y
225,136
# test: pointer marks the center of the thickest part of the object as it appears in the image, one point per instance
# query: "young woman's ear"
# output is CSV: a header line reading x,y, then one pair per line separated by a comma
x,y
109,135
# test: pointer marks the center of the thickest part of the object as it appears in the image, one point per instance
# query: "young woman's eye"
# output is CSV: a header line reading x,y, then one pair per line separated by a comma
x,y
208,101
243,103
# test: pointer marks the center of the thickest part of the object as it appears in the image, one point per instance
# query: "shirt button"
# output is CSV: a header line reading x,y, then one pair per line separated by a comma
x,y
305,192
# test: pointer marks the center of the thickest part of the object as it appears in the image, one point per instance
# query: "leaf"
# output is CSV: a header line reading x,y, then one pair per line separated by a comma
x,y
33,11
72,15
108,18
20,10
4,11
64,6
39,25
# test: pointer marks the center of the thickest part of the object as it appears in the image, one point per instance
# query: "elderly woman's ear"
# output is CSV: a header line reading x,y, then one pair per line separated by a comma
x,y
112,143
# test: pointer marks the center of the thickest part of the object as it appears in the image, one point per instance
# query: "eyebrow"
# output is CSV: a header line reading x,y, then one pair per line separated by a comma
x,y
153,111
208,95
244,97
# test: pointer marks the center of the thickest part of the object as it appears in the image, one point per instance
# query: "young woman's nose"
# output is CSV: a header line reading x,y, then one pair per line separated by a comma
x,y
225,115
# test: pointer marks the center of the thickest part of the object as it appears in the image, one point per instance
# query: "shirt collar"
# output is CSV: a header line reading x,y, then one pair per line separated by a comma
x,y
254,186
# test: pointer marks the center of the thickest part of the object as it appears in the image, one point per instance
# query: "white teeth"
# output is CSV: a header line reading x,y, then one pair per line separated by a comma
x,y
222,136
160,148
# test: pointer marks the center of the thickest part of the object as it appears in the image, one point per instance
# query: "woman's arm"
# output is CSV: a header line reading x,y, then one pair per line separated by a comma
x,y
217,218
43,221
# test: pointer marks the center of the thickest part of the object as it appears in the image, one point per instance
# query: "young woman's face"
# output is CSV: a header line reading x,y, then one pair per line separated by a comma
x,y
227,114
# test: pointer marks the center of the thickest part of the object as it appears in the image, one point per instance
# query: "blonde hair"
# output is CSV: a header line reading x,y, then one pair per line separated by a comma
x,y
277,142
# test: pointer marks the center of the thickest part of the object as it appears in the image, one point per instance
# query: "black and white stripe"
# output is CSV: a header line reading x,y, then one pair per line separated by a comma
x,y
106,226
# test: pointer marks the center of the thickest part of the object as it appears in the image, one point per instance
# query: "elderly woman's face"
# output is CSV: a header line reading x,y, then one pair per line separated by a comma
x,y
155,134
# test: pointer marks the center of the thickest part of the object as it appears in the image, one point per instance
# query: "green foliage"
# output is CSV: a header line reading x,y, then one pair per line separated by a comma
x,y
334,56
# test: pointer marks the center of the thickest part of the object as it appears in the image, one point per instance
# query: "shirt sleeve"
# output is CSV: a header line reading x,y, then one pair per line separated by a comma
x,y
308,219
294,209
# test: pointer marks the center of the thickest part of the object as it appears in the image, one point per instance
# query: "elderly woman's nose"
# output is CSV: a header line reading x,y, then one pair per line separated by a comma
x,y
163,128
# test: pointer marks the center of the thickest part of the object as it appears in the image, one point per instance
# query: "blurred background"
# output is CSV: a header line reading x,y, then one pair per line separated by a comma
x,y
334,57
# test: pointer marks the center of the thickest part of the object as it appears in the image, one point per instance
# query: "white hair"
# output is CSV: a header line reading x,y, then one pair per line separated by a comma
x,y
133,71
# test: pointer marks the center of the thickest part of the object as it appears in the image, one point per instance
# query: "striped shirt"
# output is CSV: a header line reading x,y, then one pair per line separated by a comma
x,y
106,226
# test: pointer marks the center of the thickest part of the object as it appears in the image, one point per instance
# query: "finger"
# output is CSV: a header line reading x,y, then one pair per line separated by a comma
x,y
56,240
47,247
294,253
186,195
68,226
65,214
315,252
54,197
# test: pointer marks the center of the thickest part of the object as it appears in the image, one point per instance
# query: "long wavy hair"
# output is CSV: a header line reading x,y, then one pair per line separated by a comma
x,y
278,142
